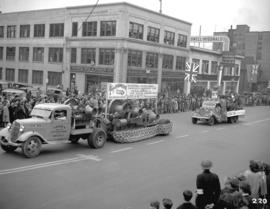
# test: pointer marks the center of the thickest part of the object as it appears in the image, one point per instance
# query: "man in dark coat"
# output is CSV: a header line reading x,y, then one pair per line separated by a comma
x,y
208,187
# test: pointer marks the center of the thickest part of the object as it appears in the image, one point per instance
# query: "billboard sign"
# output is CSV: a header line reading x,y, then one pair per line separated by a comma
x,y
131,91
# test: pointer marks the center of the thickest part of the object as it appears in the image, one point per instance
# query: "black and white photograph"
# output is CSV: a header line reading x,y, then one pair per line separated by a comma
x,y
157,104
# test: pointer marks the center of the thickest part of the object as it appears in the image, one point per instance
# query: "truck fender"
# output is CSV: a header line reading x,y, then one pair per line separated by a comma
x,y
23,137
4,132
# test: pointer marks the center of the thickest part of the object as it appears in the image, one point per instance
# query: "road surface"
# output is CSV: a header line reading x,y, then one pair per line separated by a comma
x,y
121,176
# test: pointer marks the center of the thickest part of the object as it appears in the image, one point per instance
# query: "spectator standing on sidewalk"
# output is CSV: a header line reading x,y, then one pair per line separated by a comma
x,y
208,186
187,204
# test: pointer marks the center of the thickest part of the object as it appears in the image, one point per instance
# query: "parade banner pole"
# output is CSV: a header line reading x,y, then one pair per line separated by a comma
x,y
106,106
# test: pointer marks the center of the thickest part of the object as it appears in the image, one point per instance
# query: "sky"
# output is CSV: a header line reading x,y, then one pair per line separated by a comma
x,y
211,15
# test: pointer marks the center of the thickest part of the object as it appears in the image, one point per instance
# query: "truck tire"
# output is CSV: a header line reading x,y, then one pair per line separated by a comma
x,y
194,120
31,147
236,119
8,148
211,121
97,139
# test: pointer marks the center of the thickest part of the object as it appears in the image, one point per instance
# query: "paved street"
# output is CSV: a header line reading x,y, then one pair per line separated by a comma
x,y
119,176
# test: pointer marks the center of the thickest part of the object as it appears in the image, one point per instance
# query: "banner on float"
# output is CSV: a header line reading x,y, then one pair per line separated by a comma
x,y
131,91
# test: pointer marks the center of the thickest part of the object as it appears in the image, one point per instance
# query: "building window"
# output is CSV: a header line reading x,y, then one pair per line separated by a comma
x,y
88,56
180,63
107,28
151,60
89,29
38,54
24,31
55,54
236,70
11,31
214,67
54,78
153,34
167,61
11,51
205,66
135,30
23,76
24,54
135,58
1,52
106,56
195,62
169,37
182,40
37,77
57,30
10,74
73,55
39,30
2,31
74,29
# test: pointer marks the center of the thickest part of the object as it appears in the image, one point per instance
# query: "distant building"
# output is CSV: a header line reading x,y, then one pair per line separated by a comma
x,y
119,42
210,62
255,47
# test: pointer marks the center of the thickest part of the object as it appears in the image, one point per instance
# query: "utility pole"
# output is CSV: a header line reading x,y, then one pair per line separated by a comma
x,y
160,6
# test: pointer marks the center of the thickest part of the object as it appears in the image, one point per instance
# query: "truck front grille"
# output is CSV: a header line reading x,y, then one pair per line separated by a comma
x,y
14,131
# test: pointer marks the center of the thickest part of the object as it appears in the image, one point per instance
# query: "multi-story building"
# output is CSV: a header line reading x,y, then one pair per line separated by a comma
x,y
210,62
255,47
86,45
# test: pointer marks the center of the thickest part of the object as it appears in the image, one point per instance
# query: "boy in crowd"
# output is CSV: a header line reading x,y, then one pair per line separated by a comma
x,y
187,204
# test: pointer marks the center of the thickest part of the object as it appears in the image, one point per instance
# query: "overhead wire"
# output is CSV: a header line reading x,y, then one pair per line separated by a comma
x,y
91,12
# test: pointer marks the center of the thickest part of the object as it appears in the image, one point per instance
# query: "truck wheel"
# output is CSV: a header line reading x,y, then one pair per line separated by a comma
x,y
236,119
97,139
211,121
74,139
31,147
8,148
194,120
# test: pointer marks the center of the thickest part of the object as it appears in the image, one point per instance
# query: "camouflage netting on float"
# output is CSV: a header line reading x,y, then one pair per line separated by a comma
x,y
134,135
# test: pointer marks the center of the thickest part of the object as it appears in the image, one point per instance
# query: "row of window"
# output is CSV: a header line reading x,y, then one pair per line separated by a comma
x,y
231,71
107,28
55,54
136,31
54,78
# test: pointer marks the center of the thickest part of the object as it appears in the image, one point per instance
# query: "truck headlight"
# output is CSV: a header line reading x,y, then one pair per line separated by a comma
x,y
8,125
21,128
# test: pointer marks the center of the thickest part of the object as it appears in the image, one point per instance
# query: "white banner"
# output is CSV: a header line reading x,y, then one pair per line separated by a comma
x,y
131,91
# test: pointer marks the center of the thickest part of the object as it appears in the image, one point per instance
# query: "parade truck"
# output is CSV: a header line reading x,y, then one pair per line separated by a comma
x,y
216,111
51,123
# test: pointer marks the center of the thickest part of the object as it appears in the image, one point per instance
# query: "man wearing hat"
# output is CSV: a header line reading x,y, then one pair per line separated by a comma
x,y
208,187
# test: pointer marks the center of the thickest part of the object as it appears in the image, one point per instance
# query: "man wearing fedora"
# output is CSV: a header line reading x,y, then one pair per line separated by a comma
x,y
208,187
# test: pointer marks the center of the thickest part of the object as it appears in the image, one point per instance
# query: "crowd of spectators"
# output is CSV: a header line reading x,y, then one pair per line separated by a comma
x,y
248,190
12,108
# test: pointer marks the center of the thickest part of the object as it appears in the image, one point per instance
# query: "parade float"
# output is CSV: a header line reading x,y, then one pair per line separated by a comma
x,y
126,120
218,110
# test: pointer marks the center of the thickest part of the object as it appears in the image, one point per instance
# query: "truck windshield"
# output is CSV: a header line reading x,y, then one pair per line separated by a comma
x,y
41,113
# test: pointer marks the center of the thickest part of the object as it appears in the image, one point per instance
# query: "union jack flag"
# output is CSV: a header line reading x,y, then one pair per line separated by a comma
x,y
191,72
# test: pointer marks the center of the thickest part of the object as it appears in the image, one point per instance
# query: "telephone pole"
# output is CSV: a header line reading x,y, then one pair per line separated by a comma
x,y
160,6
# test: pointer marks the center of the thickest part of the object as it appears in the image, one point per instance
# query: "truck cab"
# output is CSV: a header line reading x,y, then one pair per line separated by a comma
x,y
49,123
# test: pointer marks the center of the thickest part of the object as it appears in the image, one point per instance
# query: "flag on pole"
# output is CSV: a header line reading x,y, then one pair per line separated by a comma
x,y
191,72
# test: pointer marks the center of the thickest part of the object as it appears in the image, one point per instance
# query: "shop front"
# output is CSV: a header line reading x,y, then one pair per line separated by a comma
x,y
172,81
142,76
89,79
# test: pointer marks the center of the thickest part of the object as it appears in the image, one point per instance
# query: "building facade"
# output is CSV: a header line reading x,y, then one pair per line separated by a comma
x,y
118,42
255,47
210,62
